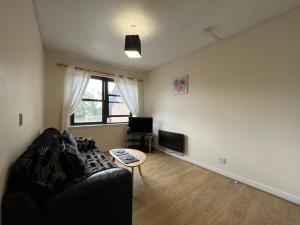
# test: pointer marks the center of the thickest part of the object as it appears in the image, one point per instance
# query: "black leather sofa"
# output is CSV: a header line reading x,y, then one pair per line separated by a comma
x,y
103,198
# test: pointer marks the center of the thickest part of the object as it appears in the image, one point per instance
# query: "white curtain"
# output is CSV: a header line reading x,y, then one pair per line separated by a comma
x,y
129,92
75,84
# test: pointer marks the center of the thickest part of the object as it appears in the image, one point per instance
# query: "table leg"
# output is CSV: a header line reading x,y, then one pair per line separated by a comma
x,y
140,170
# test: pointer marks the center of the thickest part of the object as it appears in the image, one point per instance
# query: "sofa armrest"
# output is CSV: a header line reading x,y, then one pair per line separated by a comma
x,y
103,198
18,208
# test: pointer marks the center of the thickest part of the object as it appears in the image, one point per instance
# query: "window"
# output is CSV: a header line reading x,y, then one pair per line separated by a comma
x,y
100,104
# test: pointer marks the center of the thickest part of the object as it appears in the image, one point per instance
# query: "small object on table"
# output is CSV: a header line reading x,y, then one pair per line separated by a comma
x,y
124,156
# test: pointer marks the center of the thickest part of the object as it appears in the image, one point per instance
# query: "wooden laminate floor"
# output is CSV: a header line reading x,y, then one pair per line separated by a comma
x,y
174,192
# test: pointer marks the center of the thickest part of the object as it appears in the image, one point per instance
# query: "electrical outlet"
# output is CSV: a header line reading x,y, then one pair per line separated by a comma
x,y
20,119
222,160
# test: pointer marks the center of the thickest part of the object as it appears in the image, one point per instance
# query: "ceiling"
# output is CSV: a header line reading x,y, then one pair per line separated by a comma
x,y
168,29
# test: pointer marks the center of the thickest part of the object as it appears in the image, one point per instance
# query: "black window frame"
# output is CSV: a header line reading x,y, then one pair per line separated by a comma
x,y
105,104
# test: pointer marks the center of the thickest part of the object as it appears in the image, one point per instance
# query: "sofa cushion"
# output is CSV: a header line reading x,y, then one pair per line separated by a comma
x,y
44,167
97,161
68,137
85,144
38,170
72,161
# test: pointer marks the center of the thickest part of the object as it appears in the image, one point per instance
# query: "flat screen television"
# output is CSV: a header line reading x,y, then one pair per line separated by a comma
x,y
141,124
171,141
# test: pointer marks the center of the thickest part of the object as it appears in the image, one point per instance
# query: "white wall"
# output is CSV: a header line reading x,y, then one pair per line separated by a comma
x,y
106,136
243,103
21,80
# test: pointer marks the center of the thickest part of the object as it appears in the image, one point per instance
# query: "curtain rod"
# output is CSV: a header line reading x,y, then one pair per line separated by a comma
x,y
95,71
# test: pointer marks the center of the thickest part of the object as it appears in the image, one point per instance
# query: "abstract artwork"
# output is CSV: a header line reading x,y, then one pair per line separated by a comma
x,y
180,85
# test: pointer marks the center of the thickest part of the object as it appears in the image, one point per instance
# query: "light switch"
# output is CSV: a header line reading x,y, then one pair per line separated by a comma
x,y
20,119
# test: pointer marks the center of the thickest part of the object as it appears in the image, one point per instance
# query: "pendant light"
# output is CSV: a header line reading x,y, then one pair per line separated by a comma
x,y
133,44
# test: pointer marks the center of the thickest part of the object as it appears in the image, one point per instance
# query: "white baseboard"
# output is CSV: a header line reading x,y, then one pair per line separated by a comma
x,y
284,195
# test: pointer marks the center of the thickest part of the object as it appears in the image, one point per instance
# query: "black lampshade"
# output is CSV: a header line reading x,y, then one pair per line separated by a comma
x,y
133,46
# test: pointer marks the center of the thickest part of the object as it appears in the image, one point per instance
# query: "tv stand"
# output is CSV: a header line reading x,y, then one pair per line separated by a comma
x,y
140,141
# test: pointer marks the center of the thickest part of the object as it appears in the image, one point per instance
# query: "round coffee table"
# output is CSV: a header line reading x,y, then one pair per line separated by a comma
x,y
136,153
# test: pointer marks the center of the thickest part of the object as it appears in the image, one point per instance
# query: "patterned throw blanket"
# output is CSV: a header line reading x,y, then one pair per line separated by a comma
x,y
97,161
41,171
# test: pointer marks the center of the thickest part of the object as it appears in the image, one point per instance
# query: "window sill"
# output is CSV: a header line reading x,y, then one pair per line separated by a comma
x,y
99,125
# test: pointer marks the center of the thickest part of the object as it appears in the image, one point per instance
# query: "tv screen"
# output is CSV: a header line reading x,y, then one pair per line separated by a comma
x,y
171,141
140,124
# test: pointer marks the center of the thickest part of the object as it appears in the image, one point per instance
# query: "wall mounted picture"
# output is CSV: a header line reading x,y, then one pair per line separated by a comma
x,y
180,85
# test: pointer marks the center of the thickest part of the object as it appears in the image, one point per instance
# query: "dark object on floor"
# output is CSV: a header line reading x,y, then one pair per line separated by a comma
x,y
40,191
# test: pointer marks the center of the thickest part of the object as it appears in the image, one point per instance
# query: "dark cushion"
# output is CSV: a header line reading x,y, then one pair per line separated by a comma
x,y
68,137
38,170
97,161
72,161
85,144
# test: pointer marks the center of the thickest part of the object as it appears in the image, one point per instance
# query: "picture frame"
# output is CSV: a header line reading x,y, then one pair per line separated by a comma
x,y
180,85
